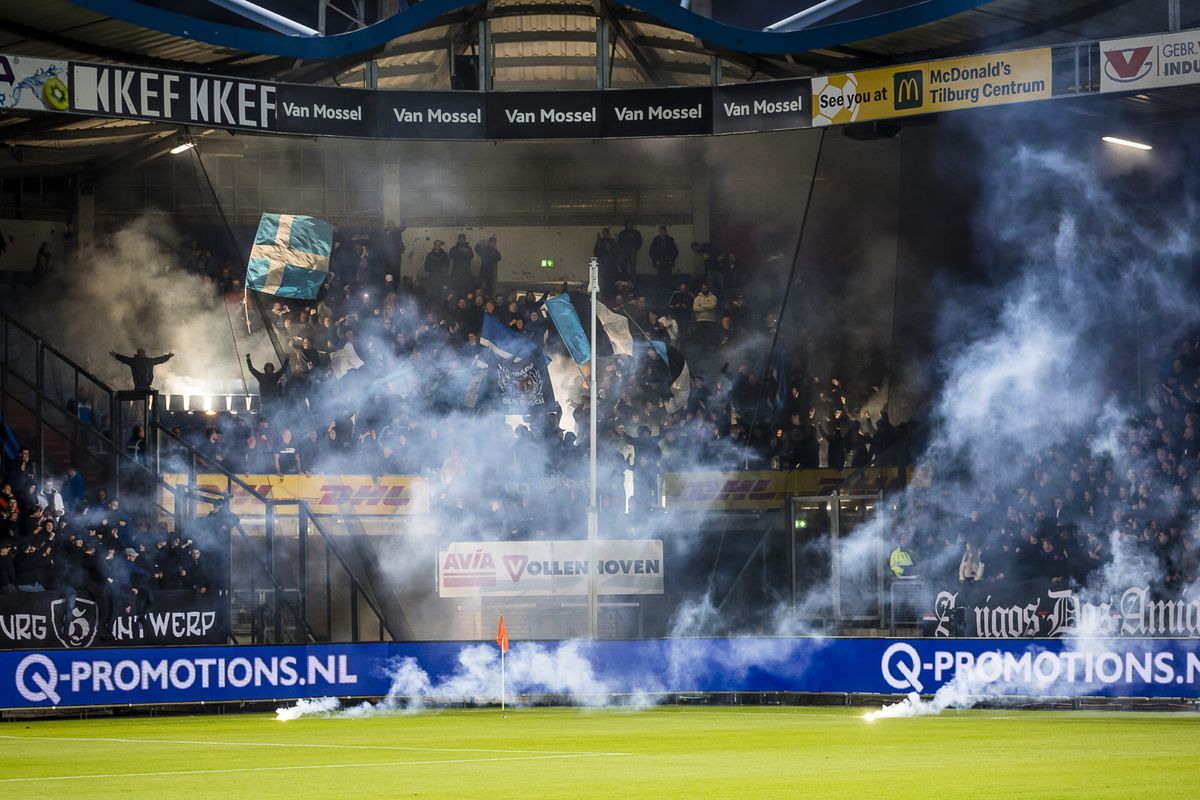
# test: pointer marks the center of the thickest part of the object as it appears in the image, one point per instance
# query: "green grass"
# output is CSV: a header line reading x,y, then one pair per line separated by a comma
x,y
576,753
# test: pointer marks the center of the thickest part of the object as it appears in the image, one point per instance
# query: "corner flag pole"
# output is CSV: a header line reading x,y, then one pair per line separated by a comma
x,y
502,641
593,517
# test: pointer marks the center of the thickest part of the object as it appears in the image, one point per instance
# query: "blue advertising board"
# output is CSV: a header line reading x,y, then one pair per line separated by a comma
x,y
1115,668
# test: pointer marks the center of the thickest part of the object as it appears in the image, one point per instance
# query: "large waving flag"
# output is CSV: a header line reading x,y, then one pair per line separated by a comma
x,y
290,256
681,376
566,321
614,336
520,367
505,342
617,327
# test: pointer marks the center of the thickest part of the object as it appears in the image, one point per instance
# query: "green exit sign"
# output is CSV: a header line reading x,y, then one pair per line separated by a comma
x,y
547,263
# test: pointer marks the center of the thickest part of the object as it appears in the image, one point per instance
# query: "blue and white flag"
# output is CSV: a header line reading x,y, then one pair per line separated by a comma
x,y
617,327
505,342
290,257
681,376
566,321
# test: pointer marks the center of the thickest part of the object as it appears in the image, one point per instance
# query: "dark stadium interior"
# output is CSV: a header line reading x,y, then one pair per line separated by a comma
x,y
900,379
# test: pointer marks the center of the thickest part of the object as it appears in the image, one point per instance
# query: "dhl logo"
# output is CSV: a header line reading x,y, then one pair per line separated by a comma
x,y
733,490
341,495
353,494
766,490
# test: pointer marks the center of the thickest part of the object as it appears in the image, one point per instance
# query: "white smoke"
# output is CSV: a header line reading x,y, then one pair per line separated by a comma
x,y
308,708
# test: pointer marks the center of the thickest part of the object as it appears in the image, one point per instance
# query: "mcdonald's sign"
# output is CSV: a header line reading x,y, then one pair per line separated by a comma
x,y
932,86
908,89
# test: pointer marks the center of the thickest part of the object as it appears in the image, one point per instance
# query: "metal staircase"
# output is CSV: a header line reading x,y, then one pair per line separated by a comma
x,y
289,579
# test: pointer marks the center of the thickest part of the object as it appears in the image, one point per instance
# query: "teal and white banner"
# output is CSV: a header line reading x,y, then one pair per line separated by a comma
x,y
290,257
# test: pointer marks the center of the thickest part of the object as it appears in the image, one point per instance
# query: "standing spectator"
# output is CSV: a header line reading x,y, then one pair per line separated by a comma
x,y
437,266
681,303
489,263
629,244
141,366
22,474
135,448
287,456
268,384
74,490
712,268
43,264
704,308
605,252
663,254
211,448
461,256
393,244
49,500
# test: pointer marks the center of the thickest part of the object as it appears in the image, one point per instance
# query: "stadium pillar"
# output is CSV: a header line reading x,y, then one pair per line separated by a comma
x,y
593,518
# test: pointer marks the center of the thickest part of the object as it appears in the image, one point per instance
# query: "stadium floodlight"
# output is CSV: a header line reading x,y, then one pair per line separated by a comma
x,y
1126,143
182,148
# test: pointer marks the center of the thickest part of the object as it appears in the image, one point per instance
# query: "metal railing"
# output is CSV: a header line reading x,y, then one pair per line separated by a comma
x,y
34,374
264,550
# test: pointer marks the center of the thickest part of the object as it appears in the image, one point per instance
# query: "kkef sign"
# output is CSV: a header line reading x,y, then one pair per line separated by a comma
x,y
514,569
121,91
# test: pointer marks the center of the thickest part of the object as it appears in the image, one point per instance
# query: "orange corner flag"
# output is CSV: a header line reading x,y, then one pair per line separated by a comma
x,y
502,636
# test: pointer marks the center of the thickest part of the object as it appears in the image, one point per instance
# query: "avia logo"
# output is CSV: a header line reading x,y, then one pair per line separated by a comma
x,y
1129,65
515,566
473,568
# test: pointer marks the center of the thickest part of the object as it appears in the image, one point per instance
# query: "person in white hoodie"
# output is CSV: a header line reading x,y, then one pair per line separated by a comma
x,y
704,311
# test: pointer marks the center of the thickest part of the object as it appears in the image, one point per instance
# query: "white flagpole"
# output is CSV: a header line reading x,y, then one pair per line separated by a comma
x,y
593,517
502,679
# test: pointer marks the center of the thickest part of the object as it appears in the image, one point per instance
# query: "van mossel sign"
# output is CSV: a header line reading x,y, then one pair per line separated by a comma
x,y
209,100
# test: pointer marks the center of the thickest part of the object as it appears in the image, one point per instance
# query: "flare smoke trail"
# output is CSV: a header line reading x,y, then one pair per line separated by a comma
x,y
1040,373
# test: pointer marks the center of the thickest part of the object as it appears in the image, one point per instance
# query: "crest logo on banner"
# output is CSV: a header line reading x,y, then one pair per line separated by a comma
x,y
80,628
521,386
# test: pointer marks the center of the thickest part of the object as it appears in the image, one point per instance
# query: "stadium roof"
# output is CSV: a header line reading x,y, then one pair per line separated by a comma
x,y
543,45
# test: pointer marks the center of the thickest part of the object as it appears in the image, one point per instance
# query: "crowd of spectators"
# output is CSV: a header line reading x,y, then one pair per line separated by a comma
x,y
57,536
329,405
1053,527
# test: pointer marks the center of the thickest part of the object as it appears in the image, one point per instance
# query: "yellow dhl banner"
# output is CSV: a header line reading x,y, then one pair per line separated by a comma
x,y
698,491
931,86
325,494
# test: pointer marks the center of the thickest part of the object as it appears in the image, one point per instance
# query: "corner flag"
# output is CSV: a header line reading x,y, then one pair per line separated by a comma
x,y
502,636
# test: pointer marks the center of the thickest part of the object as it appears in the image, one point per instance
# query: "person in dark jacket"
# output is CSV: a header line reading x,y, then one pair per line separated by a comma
x,y
141,366
268,383
489,263
461,256
437,266
663,254
605,251
8,569
629,244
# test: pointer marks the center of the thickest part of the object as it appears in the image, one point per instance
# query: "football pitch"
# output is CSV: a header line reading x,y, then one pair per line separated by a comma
x,y
686,752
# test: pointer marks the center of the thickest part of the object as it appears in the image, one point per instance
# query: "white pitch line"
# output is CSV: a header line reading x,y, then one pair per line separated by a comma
x,y
570,753
178,773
